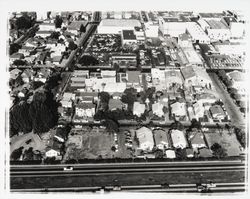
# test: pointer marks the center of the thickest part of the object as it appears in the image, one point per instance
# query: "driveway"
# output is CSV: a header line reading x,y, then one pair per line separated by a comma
x,y
233,110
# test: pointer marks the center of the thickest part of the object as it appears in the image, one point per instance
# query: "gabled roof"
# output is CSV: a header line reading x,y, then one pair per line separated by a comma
x,y
144,135
196,137
216,109
160,137
236,76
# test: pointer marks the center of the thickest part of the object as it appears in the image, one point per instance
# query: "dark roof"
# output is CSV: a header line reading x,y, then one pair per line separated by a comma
x,y
128,35
229,20
61,132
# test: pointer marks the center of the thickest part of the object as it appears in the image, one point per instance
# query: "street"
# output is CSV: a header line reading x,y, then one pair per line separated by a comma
x,y
232,109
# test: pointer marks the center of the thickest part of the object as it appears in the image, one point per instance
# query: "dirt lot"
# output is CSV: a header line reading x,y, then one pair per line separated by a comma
x,y
89,143
226,140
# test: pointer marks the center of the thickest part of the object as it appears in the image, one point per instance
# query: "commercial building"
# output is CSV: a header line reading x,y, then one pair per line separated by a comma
x,y
128,37
115,26
195,76
217,31
197,34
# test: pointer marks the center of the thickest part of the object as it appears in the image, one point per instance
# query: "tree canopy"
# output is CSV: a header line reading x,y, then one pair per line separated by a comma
x,y
218,151
58,21
23,22
88,60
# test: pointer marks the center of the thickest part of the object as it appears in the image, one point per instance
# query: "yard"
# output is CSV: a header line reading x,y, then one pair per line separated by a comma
x,y
89,144
26,141
225,139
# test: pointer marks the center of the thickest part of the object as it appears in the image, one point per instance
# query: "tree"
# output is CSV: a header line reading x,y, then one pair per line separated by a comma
x,y
16,154
159,154
177,125
20,62
104,97
111,125
14,48
218,151
23,22
55,35
36,84
129,99
72,45
20,120
88,60
181,154
82,29
58,21
241,136
195,124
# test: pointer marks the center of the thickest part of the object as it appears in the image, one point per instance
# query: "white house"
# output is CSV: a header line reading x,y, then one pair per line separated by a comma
x,y
52,153
178,139
196,139
157,109
178,109
145,137
138,108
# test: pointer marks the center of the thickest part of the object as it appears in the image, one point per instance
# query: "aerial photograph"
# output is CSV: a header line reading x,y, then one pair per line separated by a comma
x,y
150,101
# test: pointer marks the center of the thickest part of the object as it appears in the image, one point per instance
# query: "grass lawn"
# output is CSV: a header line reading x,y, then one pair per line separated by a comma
x,y
226,140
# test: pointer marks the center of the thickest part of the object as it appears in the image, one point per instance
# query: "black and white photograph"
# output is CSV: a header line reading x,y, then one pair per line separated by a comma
x,y
119,99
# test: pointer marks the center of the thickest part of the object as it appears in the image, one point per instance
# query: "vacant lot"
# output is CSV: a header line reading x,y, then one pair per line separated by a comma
x,y
226,140
89,143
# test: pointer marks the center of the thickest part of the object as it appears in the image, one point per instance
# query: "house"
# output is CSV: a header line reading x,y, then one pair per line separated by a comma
x,y
190,153
16,56
57,60
217,112
205,153
42,75
128,37
161,139
134,80
184,40
47,27
178,109
43,33
198,110
196,139
138,109
27,75
67,100
170,154
157,109
178,139
115,104
61,134
145,138
84,111
74,26
50,153
41,58
195,76
238,80
87,96
206,98
15,73
173,78
25,50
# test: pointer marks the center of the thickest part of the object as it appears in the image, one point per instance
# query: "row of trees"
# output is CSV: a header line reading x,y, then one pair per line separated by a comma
x,y
233,92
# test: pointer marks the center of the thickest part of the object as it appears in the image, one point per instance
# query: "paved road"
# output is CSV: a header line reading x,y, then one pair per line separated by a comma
x,y
232,109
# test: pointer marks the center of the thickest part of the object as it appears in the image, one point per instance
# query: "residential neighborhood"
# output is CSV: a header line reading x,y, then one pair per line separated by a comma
x,y
127,86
